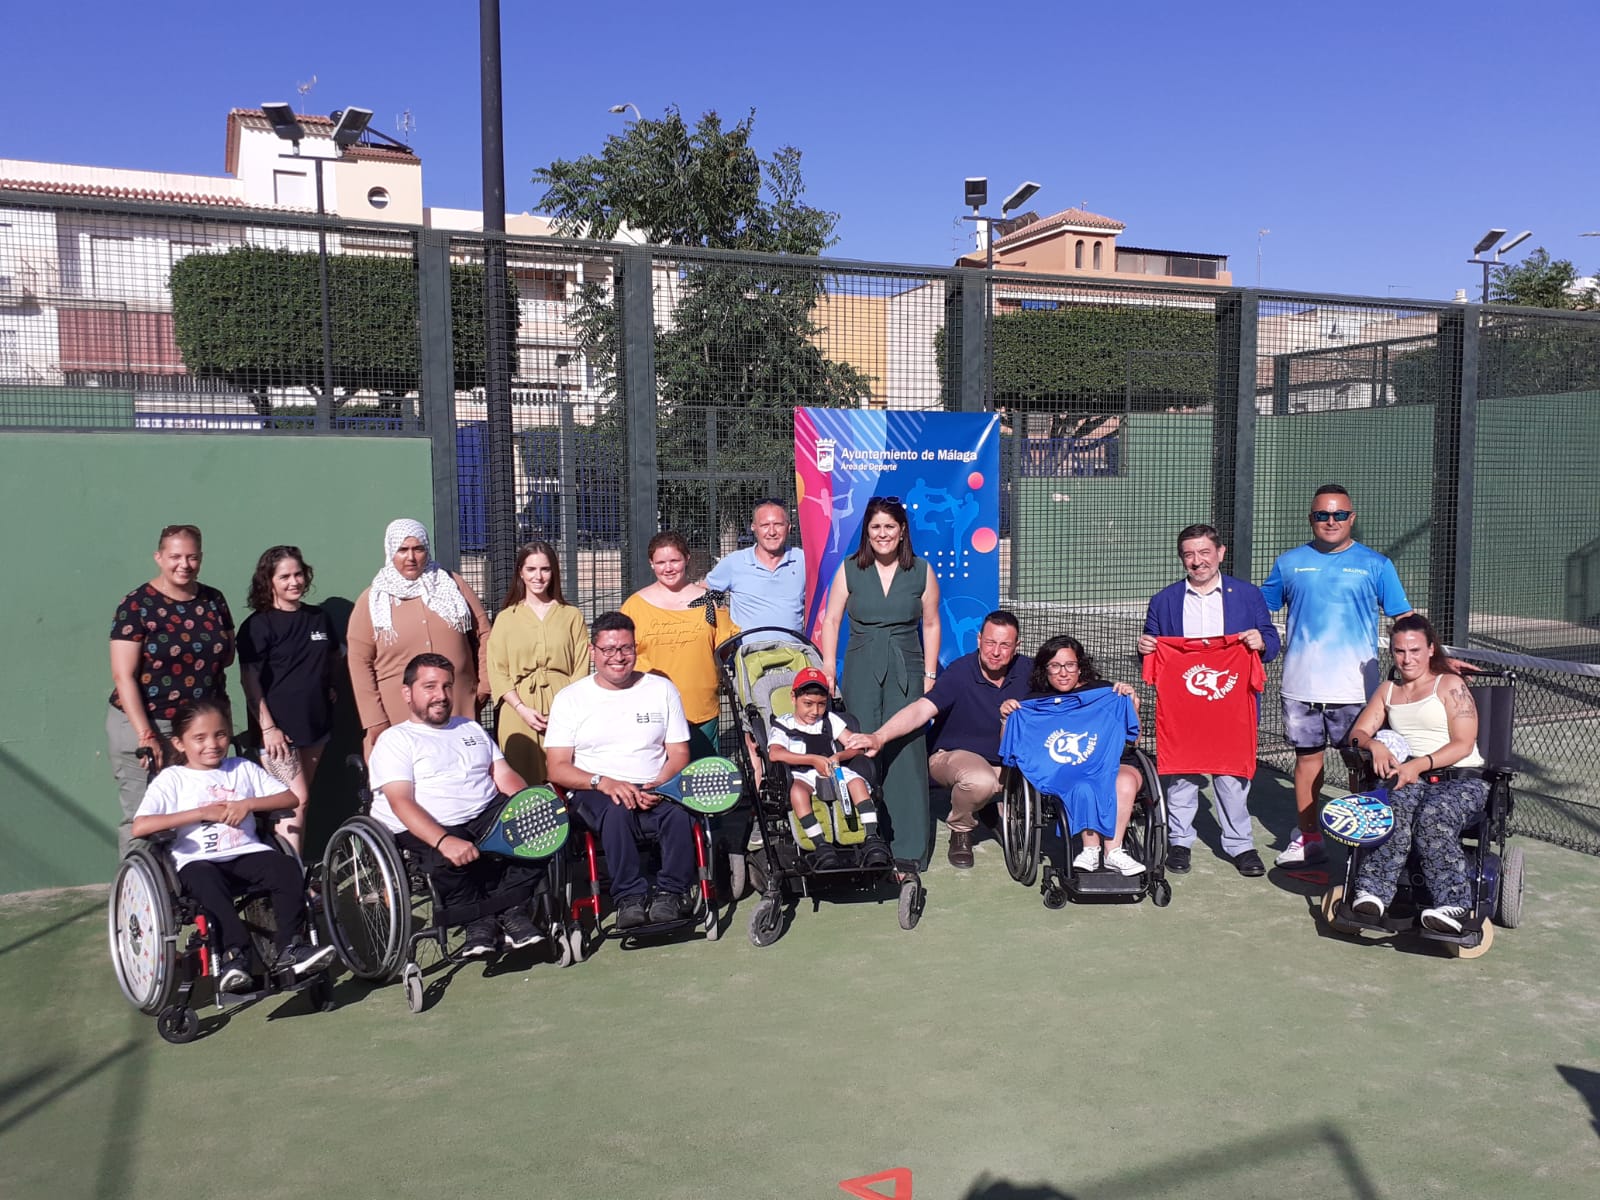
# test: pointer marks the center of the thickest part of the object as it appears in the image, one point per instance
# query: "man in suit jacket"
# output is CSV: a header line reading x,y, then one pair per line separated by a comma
x,y
1207,603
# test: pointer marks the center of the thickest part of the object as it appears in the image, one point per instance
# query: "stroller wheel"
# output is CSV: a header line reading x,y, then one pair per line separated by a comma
x,y
912,898
738,875
766,922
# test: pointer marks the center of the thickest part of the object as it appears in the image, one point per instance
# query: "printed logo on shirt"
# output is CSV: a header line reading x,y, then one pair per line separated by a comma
x,y
1303,570
1355,570
649,718
1209,683
318,635
469,740
1073,749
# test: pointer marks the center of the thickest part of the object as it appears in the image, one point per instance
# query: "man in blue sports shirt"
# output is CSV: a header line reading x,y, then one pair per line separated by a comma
x,y
766,582
1332,587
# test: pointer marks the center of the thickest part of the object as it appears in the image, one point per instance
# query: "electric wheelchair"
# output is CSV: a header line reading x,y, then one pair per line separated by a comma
x,y
1028,815
162,945
1496,871
382,906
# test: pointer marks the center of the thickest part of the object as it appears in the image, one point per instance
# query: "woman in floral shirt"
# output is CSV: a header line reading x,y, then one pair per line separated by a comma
x,y
171,642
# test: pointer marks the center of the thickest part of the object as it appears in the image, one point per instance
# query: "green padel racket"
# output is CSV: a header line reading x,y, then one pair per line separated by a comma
x,y
533,824
708,786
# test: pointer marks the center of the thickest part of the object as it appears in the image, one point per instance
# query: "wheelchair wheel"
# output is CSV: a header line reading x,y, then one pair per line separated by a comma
x,y
178,1024
1330,911
1150,811
1509,910
1480,949
1019,828
367,897
416,994
738,875
143,932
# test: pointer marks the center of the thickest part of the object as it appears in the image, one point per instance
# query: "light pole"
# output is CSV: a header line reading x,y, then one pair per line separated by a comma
x,y
1478,251
348,127
622,108
1260,233
977,195
502,506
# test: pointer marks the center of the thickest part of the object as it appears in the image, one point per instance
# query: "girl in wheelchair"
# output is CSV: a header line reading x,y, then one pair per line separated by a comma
x,y
1435,795
208,801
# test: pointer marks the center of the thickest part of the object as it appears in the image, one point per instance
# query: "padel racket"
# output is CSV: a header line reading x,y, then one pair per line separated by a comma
x,y
708,786
1363,820
533,824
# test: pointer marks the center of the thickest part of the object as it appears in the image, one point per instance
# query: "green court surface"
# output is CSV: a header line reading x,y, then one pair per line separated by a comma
x,y
1221,1047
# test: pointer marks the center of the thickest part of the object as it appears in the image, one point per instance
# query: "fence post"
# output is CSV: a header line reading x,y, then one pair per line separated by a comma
x,y
1455,440
639,402
1233,430
438,387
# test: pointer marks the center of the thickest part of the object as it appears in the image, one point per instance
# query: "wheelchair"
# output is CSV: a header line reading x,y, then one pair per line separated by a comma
x,y
758,667
158,967
1027,815
381,906
1497,872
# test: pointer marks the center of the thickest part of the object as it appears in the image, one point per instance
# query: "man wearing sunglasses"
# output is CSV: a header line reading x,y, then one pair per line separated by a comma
x,y
1332,587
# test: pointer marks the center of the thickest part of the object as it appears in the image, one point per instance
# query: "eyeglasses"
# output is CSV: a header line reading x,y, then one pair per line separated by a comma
x,y
1061,668
1341,515
616,651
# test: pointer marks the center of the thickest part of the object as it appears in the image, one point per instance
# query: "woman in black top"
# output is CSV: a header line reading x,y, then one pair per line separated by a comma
x,y
288,652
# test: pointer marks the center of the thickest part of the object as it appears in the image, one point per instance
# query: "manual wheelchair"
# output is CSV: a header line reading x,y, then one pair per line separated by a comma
x,y
1027,815
382,906
158,966
1496,871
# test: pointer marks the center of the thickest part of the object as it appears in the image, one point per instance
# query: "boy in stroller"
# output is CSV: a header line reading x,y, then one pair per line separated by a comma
x,y
810,742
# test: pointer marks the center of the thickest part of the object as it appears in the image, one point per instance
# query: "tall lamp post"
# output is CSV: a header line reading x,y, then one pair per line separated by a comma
x,y
977,195
1487,240
348,127
622,108
502,501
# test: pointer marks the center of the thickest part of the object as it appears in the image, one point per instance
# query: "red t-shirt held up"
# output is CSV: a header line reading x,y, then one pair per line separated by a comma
x,y
1206,691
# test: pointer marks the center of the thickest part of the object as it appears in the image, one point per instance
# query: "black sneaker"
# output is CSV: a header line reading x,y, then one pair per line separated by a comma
x,y
1178,859
518,929
630,912
234,973
302,958
875,853
483,939
670,906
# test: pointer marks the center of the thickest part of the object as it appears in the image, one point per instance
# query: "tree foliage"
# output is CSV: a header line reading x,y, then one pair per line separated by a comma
x,y
1539,281
740,338
252,318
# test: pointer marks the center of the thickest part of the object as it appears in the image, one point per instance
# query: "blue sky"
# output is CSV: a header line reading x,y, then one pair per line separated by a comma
x,y
1375,141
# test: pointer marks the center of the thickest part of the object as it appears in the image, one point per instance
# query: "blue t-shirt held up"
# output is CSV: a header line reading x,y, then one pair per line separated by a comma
x,y
1333,599
1070,745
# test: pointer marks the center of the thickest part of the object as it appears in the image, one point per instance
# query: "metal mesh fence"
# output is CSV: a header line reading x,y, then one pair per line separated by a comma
x,y
643,389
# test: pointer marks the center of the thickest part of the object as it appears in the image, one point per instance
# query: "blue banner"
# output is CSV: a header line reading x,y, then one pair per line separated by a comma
x,y
944,467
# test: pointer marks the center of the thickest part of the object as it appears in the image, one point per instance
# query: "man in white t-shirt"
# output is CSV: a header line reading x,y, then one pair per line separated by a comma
x,y
612,737
438,784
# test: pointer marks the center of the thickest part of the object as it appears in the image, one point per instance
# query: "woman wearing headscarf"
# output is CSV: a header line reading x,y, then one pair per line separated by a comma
x,y
413,607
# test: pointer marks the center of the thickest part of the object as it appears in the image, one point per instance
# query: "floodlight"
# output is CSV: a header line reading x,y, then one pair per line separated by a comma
x,y
349,125
283,121
1488,239
1019,197
977,191
1516,241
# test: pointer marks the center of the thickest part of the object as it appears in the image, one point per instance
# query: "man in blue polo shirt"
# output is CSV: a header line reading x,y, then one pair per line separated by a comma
x,y
1333,587
766,582
964,706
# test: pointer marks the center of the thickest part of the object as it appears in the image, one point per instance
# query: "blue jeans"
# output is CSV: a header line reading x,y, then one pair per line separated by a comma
x,y
619,830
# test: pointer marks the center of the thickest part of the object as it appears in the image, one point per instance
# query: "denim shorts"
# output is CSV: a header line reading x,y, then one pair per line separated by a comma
x,y
1313,726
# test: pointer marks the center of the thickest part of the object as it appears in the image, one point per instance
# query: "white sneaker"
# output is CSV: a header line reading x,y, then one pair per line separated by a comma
x,y
1368,905
1445,919
1120,861
1088,859
1301,851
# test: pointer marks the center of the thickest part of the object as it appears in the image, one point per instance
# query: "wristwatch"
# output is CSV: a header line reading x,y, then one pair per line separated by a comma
x,y
594,783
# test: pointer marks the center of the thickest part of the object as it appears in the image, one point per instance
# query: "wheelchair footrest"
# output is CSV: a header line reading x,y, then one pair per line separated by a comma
x,y
1105,883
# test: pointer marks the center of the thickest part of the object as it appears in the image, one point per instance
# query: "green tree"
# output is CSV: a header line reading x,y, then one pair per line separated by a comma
x,y
738,351
1539,281
252,318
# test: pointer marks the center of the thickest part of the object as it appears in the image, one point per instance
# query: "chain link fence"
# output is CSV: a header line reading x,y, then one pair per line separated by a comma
x,y
641,388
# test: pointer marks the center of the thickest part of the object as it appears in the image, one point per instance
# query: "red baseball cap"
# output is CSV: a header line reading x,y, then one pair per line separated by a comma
x,y
811,676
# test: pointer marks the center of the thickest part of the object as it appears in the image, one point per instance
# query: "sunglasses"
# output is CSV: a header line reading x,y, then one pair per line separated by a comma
x,y
1341,515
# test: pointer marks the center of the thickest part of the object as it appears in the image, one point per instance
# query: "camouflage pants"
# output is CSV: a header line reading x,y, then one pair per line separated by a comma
x,y
1430,816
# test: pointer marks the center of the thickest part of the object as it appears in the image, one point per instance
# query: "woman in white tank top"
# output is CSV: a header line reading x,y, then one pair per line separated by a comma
x,y
1430,707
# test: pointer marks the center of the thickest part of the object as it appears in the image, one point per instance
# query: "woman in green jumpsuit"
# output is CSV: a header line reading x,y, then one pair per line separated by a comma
x,y
890,595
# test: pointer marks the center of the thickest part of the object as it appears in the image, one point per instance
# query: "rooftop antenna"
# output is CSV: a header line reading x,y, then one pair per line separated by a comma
x,y
405,125
305,88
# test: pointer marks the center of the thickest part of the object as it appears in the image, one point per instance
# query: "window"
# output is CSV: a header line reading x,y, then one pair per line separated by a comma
x,y
292,189
10,354
1041,305
378,198
1077,255
1097,263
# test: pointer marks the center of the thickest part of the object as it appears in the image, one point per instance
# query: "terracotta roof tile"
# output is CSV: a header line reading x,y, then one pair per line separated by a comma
x,y
112,192
1069,216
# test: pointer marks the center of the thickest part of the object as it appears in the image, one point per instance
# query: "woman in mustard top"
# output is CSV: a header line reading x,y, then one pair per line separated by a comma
x,y
538,645
677,626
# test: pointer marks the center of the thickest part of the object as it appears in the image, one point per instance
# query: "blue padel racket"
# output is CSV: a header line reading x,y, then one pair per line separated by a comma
x,y
1363,820
533,824
708,786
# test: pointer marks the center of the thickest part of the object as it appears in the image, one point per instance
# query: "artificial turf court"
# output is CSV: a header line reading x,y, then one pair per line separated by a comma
x,y
1221,1047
